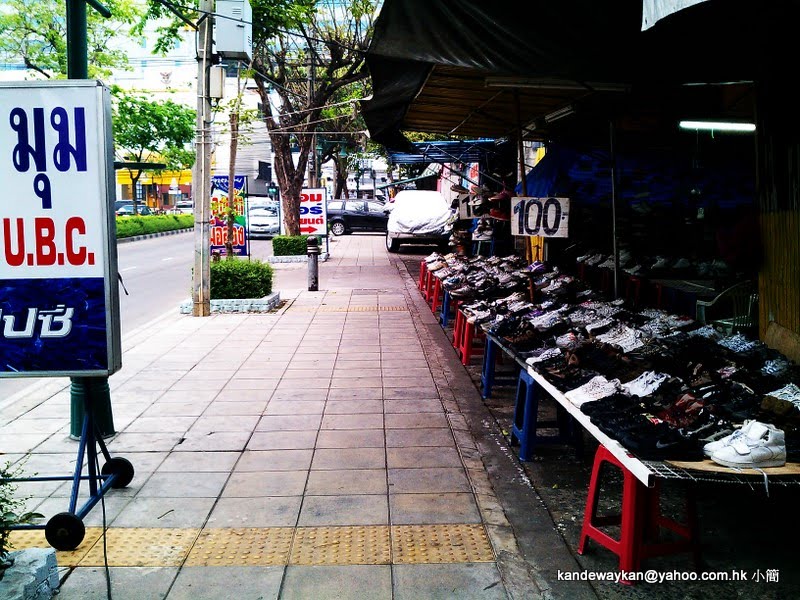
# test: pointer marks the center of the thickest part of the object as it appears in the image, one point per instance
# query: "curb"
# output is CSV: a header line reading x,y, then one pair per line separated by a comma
x,y
147,236
245,305
300,258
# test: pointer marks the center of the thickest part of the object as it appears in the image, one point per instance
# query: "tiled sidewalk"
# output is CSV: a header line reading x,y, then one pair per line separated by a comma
x,y
303,454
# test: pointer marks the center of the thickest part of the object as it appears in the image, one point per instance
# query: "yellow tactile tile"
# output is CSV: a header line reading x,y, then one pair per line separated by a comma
x,y
457,543
356,545
245,547
34,538
344,309
139,547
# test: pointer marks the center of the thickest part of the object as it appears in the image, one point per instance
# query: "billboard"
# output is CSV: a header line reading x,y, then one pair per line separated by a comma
x,y
59,301
313,214
218,232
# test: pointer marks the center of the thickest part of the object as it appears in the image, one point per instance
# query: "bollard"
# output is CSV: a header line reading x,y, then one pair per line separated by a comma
x,y
96,389
313,263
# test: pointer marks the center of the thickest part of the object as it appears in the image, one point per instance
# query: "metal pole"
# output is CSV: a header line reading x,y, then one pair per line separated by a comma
x,y
612,136
312,154
312,245
521,159
83,388
201,284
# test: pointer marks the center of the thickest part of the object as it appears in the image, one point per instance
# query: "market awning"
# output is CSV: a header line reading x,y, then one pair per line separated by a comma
x,y
479,69
466,151
427,174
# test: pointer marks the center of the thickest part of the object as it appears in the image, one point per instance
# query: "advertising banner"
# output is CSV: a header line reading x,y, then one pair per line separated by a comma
x,y
59,301
544,217
313,213
218,232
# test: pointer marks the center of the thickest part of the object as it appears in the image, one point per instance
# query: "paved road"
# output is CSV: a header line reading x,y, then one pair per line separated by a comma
x,y
158,275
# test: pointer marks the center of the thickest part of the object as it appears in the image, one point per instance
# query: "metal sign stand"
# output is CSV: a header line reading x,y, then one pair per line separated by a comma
x,y
65,530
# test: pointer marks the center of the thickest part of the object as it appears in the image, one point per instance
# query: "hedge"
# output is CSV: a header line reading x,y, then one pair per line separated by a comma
x,y
291,245
240,278
140,225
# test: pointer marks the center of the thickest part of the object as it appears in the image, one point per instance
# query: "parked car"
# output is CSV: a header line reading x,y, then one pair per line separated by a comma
x,y
126,210
418,217
263,221
346,216
183,207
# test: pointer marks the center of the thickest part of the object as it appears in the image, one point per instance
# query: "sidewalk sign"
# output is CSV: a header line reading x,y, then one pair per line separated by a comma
x,y
59,297
543,217
313,214
218,232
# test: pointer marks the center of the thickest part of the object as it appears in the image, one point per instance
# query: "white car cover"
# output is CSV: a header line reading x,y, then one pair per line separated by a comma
x,y
419,212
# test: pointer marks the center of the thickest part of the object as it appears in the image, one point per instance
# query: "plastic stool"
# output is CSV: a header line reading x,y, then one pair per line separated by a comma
x,y
436,297
526,420
430,282
466,345
633,290
458,328
640,519
423,271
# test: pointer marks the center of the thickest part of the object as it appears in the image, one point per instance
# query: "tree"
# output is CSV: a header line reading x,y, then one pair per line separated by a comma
x,y
298,72
152,131
34,31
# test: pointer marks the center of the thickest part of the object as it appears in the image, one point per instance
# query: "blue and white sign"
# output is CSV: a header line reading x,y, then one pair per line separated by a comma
x,y
59,302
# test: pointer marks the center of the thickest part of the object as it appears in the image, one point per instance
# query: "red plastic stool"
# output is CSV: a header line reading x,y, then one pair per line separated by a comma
x,y
633,290
639,521
430,281
437,296
458,328
423,271
466,347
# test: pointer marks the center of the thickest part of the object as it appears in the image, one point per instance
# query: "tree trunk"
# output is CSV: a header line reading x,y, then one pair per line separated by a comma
x,y
340,190
290,181
231,183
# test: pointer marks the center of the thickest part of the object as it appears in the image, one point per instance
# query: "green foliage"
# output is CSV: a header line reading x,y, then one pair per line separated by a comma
x,y
11,510
290,245
140,225
240,278
34,31
153,131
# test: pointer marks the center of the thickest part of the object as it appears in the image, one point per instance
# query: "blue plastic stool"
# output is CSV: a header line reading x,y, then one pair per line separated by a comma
x,y
444,315
526,420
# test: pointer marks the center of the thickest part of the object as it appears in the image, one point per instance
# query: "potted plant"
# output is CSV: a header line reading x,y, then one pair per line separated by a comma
x,y
11,513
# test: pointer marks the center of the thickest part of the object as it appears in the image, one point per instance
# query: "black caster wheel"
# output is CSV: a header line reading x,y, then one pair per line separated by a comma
x,y
64,531
122,468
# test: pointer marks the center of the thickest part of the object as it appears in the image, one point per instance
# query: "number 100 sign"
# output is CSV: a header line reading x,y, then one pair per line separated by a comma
x,y
544,217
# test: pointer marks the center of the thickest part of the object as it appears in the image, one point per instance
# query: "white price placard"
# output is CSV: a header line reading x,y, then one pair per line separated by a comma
x,y
544,217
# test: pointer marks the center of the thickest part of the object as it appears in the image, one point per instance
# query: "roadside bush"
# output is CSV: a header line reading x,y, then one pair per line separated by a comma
x,y
11,512
240,278
291,245
140,225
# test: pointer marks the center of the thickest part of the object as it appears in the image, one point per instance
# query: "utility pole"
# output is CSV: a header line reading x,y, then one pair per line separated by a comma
x,y
312,155
201,280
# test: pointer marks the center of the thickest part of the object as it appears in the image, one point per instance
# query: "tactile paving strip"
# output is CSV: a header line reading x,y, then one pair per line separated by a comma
x,y
243,547
357,545
34,538
139,547
344,309
415,544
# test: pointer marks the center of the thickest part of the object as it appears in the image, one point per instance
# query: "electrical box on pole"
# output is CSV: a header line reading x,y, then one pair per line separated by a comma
x,y
234,30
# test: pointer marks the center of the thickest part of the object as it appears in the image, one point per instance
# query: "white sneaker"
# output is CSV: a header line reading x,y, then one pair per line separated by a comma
x,y
712,447
763,445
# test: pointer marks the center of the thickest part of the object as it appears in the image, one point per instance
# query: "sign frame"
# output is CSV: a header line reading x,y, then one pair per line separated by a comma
x,y
217,182
57,165
544,226
309,196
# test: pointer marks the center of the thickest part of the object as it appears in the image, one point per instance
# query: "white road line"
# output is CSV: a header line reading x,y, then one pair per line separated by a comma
x,y
128,269
166,259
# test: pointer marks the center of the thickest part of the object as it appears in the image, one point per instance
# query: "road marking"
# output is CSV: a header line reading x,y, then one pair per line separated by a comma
x,y
128,269
166,259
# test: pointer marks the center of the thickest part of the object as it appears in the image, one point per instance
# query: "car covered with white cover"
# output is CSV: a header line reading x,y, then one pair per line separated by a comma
x,y
418,217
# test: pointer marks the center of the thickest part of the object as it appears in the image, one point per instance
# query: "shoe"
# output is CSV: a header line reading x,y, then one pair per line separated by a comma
x,y
761,445
501,195
457,187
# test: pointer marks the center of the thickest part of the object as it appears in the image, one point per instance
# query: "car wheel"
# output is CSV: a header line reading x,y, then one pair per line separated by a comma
x,y
338,228
392,245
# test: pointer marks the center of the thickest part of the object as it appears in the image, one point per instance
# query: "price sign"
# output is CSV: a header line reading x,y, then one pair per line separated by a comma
x,y
543,217
464,207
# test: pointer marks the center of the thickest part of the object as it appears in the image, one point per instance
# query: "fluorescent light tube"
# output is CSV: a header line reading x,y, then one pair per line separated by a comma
x,y
717,126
